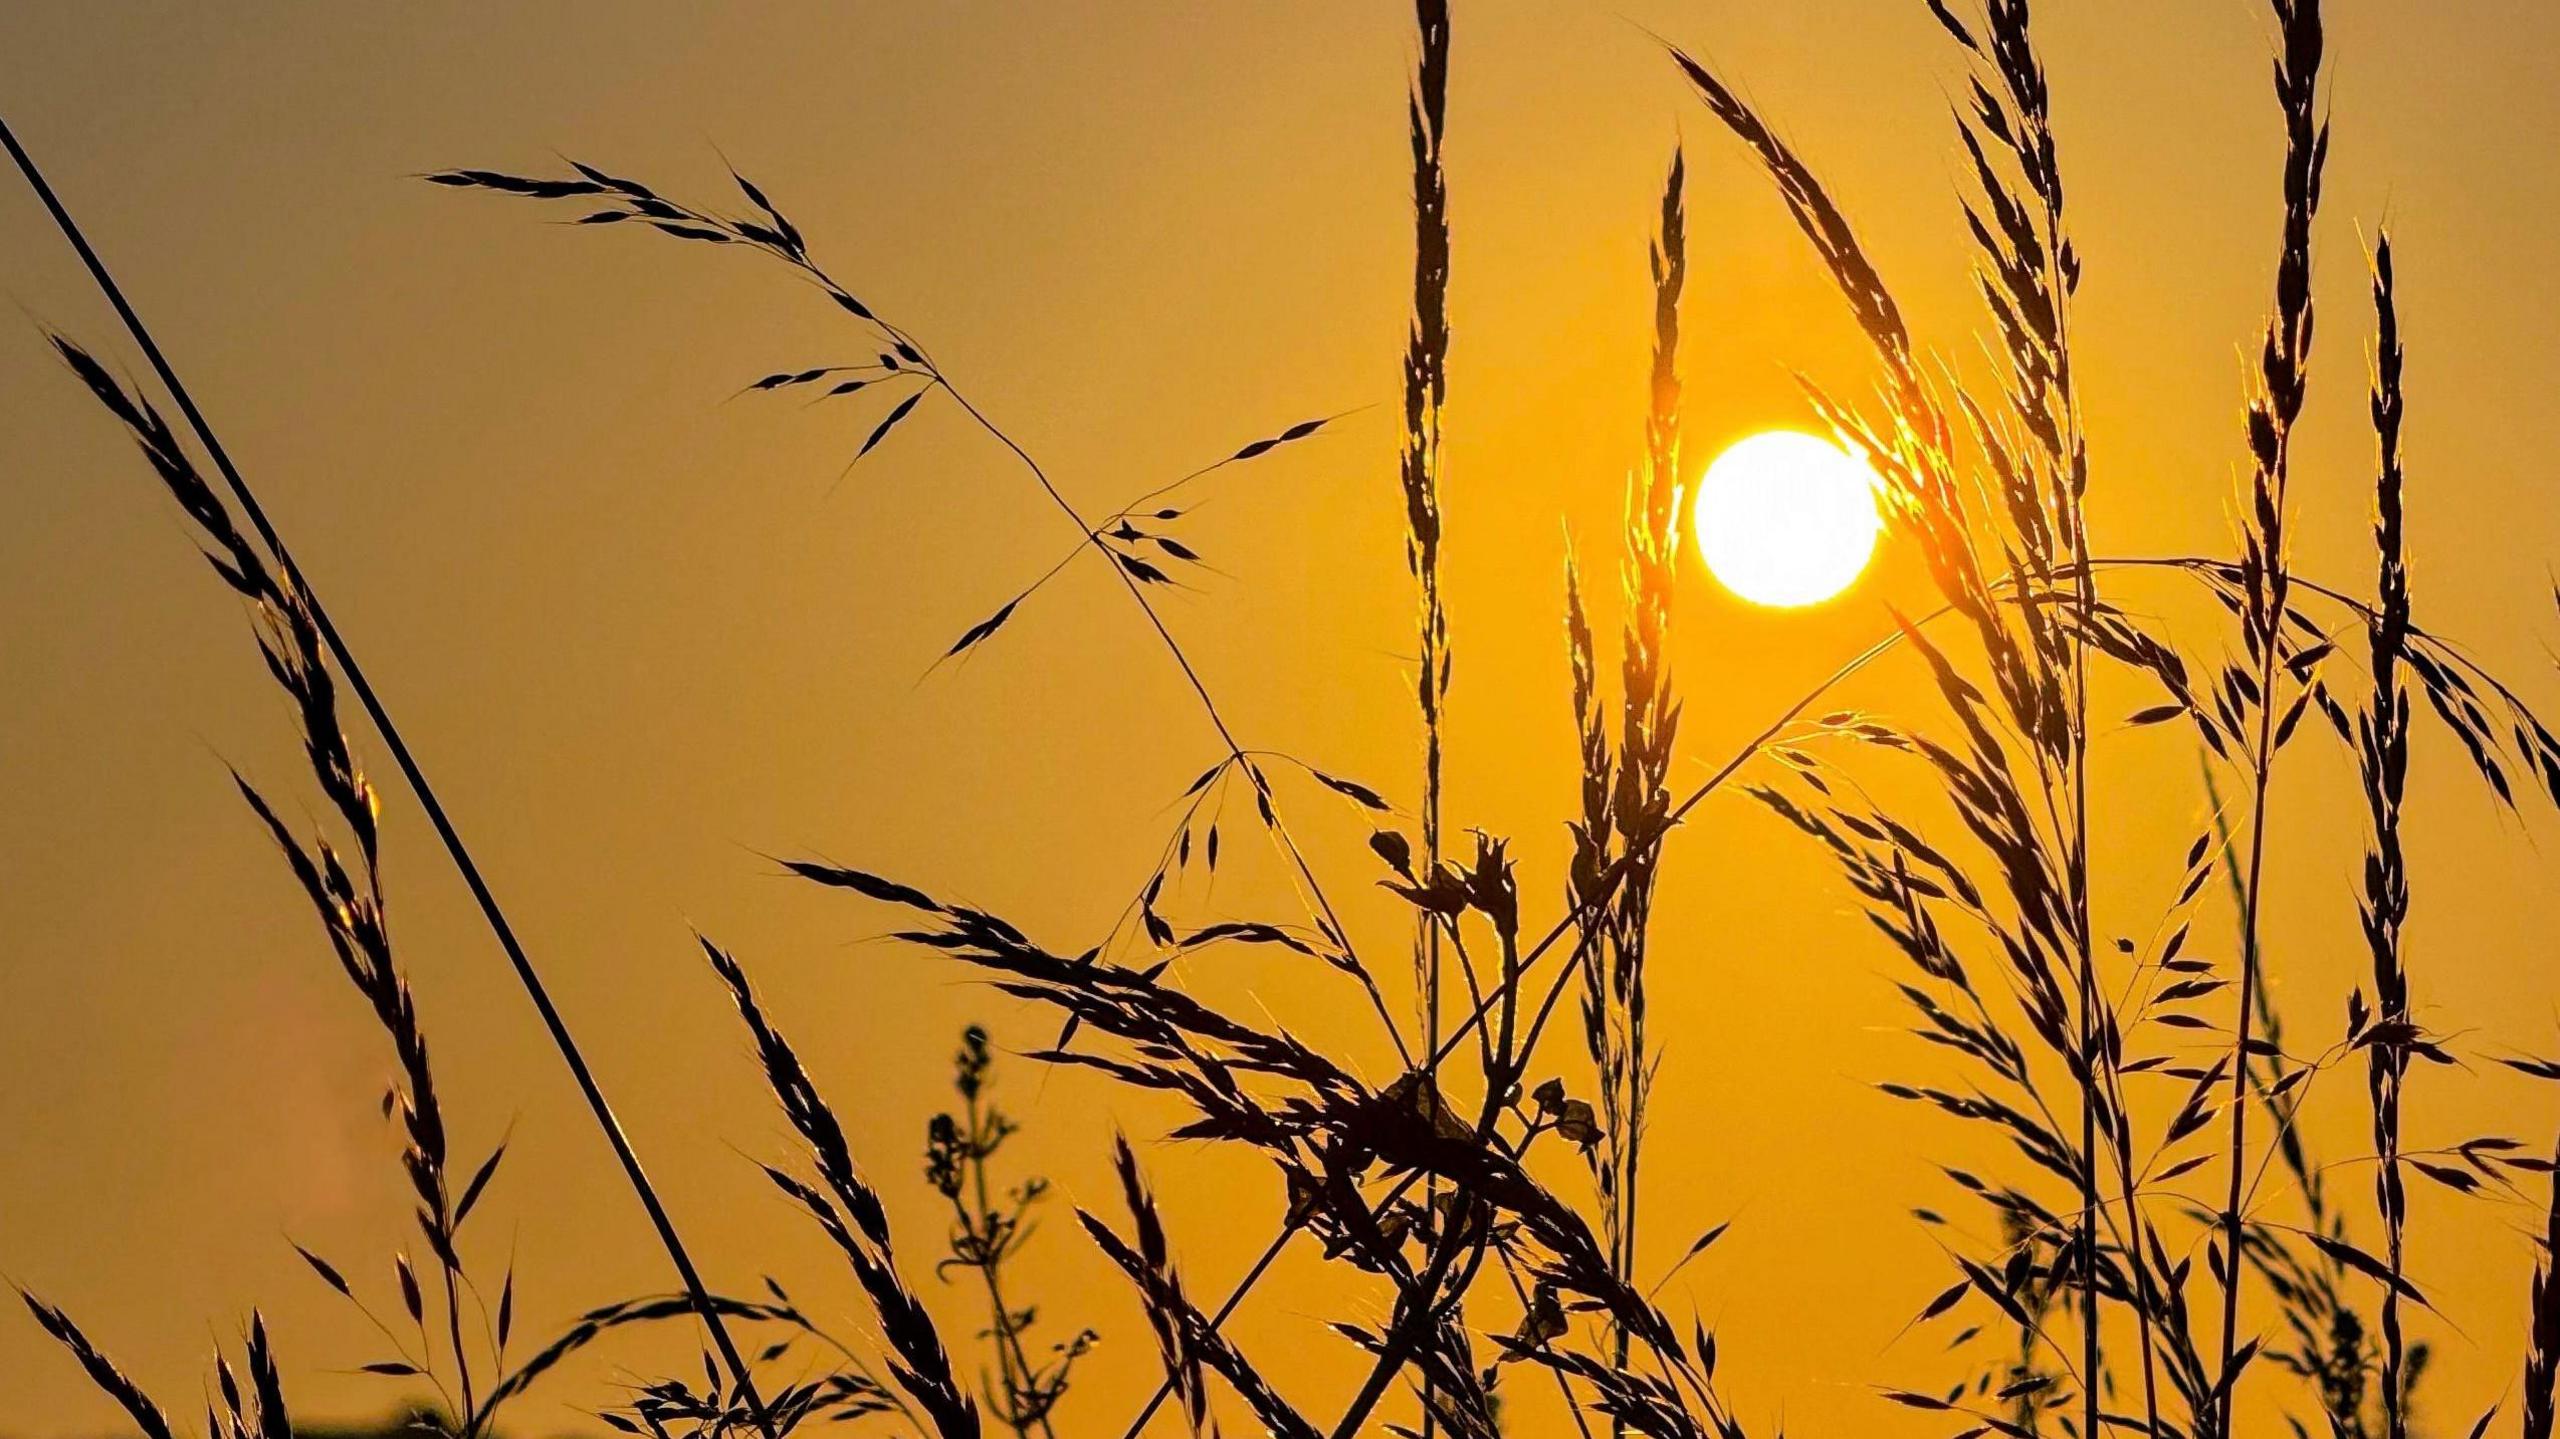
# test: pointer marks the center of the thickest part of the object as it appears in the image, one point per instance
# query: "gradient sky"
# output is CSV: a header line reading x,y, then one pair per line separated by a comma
x,y
643,640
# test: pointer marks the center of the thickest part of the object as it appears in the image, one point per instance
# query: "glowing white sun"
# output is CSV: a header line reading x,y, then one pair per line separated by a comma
x,y
1786,519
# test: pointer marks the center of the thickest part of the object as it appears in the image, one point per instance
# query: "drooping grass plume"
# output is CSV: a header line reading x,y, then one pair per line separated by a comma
x,y
2038,625
1136,549
1139,534
2028,811
2027,271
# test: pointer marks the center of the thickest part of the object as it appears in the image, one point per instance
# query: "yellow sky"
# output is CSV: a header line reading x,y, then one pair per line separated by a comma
x,y
642,643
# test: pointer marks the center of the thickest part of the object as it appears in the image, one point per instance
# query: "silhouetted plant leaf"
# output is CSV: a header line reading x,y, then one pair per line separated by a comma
x,y
885,426
982,629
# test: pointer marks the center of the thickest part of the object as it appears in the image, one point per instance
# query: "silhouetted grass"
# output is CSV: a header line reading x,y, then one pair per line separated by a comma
x,y
986,1234
2101,1066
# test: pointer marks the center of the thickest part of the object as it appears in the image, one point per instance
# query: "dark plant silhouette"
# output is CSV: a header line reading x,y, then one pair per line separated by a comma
x,y
2107,1068
988,1230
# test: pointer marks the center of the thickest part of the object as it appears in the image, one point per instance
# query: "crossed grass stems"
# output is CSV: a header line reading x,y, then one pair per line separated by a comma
x,y
2002,536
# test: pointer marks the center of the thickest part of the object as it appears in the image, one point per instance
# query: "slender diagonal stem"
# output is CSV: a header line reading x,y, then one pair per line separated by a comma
x,y
1303,872
1235,1296
453,1333
1421,1303
1425,386
2263,769
1564,1387
417,780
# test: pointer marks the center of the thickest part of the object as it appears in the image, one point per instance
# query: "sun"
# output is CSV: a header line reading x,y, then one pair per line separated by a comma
x,y
1786,519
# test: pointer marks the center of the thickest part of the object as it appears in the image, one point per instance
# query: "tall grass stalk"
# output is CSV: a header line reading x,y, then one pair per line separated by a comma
x,y
1426,385
2265,579
1426,388
1625,791
2028,273
1649,706
291,576
2035,833
2383,764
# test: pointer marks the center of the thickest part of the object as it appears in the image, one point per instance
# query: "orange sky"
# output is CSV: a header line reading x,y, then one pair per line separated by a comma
x,y
642,643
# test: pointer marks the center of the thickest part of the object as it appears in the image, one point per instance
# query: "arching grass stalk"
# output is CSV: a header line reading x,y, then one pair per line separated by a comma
x,y
1135,555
